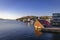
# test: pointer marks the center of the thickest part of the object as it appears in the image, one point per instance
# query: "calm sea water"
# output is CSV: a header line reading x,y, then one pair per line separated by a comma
x,y
14,30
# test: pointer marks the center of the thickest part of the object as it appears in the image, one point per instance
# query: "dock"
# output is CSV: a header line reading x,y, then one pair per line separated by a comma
x,y
51,30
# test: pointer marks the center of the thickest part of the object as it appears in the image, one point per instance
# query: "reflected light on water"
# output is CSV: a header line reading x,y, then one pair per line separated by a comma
x,y
37,33
29,24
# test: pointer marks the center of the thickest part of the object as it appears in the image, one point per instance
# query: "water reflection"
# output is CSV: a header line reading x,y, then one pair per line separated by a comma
x,y
37,33
28,24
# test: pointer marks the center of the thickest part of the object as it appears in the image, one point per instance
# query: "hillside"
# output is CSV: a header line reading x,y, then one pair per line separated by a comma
x,y
26,18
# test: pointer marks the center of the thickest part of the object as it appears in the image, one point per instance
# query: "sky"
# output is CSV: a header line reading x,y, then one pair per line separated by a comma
x,y
12,9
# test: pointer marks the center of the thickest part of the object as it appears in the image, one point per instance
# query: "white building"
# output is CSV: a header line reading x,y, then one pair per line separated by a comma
x,y
28,19
56,19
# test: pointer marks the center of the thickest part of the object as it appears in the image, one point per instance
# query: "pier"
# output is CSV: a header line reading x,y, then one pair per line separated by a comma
x,y
51,30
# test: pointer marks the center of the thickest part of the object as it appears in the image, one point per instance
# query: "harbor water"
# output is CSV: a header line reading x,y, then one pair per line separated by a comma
x,y
15,30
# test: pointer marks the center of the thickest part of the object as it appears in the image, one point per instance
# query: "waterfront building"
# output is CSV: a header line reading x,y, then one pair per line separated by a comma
x,y
47,18
56,19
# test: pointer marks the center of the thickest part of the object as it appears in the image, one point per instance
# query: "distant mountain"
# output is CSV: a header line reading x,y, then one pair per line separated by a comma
x,y
1,19
6,19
